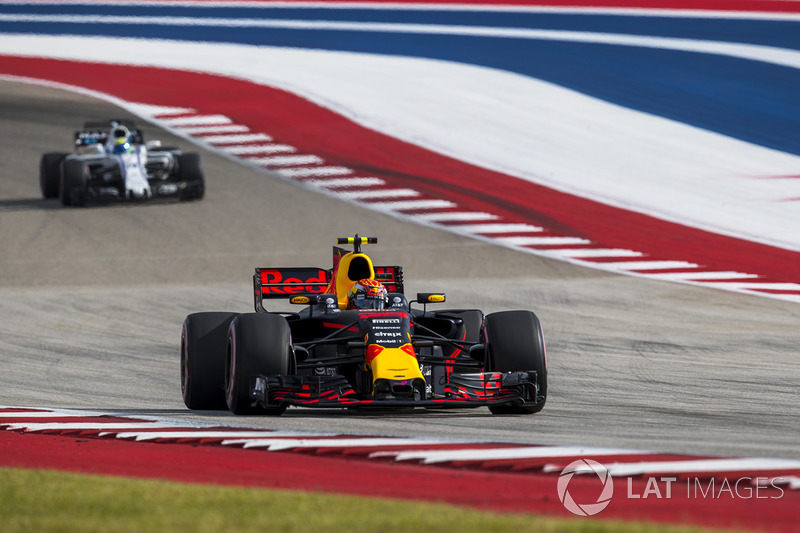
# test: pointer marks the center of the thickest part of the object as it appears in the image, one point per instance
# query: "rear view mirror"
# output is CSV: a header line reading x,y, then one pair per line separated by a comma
x,y
310,298
430,297
303,299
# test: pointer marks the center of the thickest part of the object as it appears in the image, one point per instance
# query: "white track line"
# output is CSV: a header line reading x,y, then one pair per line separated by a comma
x,y
196,120
595,252
542,241
498,454
286,160
368,442
497,228
259,149
754,285
199,434
648,265
160,111
104,426
204,130
315,172
379,193
39,414
335,183
235,139
456,216
698,465
411,205
700,276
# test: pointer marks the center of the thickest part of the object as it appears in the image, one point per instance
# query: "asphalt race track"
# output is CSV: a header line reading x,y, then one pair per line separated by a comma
x,y
92,302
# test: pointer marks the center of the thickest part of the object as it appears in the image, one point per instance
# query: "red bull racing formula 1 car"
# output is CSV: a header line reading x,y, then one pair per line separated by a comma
x,y
359,343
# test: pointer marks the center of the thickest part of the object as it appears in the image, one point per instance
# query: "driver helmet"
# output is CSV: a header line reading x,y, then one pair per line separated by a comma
x,y
367,294
119,139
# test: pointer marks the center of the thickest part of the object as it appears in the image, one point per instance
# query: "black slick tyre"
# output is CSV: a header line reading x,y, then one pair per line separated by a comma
x,y
191,173
514,342
73,183
50,174
204,339
258,344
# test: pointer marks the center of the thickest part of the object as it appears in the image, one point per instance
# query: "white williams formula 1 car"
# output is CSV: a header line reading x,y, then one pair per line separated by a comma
x,y
112,162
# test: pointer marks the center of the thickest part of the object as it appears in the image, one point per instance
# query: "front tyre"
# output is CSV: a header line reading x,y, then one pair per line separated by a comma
x,y
190,172
50,174
204,339
514,343
258,344
74,182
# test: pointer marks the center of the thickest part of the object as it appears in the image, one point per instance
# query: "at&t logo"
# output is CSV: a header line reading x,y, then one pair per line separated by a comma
x,y
589,508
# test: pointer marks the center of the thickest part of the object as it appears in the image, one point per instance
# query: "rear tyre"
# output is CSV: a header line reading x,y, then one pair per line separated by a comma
x,y
258,344
50,174
191,173
204,338
73,183
514,342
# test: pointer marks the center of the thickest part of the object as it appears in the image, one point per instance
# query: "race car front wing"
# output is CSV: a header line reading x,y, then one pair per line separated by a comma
x,y
461,390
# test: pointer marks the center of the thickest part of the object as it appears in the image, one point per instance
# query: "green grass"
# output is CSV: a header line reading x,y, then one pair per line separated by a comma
x,y
44,501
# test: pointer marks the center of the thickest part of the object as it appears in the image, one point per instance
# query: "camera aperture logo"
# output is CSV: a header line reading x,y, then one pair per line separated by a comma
x,y
590,508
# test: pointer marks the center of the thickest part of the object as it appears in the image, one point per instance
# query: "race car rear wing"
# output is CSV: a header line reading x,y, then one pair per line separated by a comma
x,y
87,137
391,277
97,132
285,282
